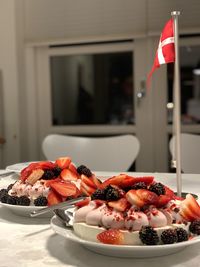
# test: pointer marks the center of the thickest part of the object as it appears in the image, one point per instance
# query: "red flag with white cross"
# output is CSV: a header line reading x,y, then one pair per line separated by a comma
x,y
166,50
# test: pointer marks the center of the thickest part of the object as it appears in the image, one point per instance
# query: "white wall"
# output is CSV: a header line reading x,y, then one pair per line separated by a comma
x,y
9,69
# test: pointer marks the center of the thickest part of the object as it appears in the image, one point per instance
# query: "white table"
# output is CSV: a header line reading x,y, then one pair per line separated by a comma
x,y
30,242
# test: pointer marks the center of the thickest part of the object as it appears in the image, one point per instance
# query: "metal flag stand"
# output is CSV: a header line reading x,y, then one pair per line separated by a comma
x,y
176,162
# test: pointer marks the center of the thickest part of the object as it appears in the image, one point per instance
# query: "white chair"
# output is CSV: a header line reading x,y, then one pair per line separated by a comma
x,y
97,153
190,152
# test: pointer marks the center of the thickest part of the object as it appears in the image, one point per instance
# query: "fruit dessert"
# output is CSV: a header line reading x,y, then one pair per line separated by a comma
x,y
48,183
127,210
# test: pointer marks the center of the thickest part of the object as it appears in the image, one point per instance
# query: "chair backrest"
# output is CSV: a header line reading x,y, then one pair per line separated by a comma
x,y
97,153
190,152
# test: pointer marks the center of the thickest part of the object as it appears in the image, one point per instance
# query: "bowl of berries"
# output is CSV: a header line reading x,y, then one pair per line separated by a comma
x,y
46,183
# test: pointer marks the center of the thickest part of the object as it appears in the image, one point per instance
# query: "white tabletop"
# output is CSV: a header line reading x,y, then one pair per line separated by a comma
x,y
31,242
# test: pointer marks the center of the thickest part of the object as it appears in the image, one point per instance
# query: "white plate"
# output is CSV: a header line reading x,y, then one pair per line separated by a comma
x,y
18,166
121,251
25,210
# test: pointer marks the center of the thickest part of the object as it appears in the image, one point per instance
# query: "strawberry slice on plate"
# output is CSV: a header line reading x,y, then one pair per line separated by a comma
x,y
65,189
189,208
163,200
111,236
63,162
53,198
120,205
124,180
88,181
68,175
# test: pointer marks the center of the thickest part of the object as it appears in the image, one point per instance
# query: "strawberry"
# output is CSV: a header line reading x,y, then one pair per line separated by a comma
x,y
72,168
124,180
162,200
99,202
147,196
121,205
65,189
46,165
68,175
189,208
53,198
111,236
63,162
96,181
83,202
169,192
88,181
85,189
28,170
141,197
134,199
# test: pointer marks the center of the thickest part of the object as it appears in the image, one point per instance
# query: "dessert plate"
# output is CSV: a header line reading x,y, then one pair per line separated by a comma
x,y
25,210
119,250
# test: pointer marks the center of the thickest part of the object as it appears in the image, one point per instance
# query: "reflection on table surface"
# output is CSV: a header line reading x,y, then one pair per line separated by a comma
x,y
31,241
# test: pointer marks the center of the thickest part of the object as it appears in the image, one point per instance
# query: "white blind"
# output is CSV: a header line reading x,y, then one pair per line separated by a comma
x,y
53,19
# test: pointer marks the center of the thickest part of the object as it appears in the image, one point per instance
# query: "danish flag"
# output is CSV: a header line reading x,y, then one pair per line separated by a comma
x,y
166,50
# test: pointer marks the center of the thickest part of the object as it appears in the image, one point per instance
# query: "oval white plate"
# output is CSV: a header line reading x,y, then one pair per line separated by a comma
x,y
121,251
25,210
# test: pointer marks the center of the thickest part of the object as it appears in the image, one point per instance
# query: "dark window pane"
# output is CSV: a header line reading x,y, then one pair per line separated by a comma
x,y
190,84
92,89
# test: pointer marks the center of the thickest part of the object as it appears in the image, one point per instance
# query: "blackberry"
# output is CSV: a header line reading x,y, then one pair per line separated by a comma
x,y
3,192
99,194
13,200
157,188
111,193
182,234
48,175
10,187
3,195
23,201
84,170
148,235
41,201
139,185
57,171
195,227
169,236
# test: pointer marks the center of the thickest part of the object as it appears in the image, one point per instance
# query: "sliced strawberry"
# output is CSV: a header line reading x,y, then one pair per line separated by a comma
x,y
65,189
111,236
162,201
96,181
147,196
124,180
49,182
53,198
63,162
134,199
88,181
85,189
189,208
83,202
68,175
169,192
28,170
72,168
121,205
45,165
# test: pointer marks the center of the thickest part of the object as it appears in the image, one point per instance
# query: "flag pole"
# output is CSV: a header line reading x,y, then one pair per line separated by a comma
x,y
177,113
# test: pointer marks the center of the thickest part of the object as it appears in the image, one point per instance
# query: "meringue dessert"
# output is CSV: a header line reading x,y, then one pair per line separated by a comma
x,y
127,210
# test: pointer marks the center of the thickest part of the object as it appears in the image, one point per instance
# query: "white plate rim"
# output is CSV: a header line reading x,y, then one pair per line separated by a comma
x,y
61,230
